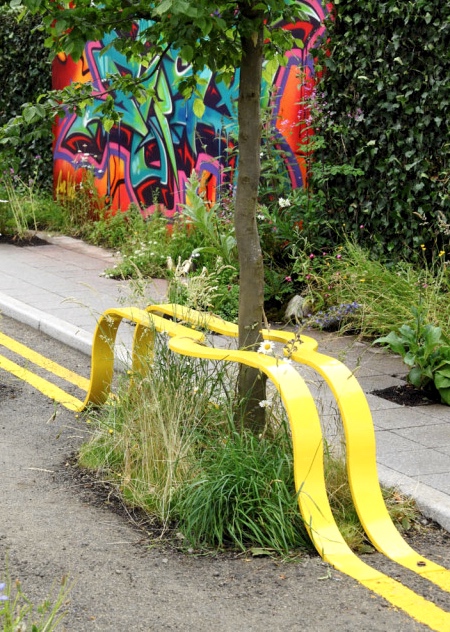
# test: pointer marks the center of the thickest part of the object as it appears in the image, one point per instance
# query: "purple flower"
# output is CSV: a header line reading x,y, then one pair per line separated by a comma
x,y
338,256
3,597
311,256
288,279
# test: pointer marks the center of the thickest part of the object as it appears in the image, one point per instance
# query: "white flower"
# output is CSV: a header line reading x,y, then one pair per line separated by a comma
x,y
265,403
265,347
283,202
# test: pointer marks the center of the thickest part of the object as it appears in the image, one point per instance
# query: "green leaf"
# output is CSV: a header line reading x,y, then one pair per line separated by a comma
x,y
442,380
415,377
198,108
163,7
432,335
394,342
187,53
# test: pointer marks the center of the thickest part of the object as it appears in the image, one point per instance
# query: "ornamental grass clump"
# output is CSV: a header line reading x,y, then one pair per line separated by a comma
x,y
148,436
244,496
384,292
171,443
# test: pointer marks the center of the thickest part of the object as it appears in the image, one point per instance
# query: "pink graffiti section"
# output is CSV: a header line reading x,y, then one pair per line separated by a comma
x,y
147,157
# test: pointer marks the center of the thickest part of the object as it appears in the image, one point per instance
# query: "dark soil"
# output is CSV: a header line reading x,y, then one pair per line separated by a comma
x,y
28,240
408,395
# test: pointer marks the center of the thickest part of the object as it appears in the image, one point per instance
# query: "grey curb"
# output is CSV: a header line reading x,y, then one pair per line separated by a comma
x,y
431,502
60,330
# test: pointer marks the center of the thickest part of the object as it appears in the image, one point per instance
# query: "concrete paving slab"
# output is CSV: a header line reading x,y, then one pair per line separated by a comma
x,y
389,442
430,435
416,463
404,417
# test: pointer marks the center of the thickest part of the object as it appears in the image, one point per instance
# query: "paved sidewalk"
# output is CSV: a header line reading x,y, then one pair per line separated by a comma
x,y
59,289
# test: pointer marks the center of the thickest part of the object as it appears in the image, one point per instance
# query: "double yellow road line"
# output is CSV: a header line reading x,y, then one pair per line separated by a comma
x,y
39,383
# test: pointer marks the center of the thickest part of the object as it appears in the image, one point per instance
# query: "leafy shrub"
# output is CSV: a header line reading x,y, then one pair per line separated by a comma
x,y
384,96
426,351
25,68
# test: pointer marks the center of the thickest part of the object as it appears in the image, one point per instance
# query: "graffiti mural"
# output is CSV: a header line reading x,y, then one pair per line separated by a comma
x,y
148,156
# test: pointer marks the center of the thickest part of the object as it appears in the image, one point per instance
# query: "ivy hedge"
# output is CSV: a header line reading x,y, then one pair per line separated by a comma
x,y
384,108
25,69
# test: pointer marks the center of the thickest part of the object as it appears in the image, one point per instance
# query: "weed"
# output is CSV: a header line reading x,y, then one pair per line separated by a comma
x,y
17,612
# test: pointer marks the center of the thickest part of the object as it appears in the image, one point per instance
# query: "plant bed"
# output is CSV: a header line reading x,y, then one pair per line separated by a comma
x,y
408,395
25,240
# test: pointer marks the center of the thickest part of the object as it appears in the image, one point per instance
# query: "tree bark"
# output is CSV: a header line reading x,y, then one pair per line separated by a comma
x,y
251,386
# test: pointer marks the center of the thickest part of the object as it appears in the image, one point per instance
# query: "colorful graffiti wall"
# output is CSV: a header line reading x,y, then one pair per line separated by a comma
x,y
149,155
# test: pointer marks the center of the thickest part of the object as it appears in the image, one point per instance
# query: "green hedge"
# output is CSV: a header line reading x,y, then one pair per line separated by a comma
x,y
385,102
25,71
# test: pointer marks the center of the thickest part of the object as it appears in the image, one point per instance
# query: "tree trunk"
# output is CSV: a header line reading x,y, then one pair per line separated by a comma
x,y
251,387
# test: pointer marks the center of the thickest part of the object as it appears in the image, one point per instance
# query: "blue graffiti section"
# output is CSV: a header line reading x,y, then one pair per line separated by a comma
x,y
148,156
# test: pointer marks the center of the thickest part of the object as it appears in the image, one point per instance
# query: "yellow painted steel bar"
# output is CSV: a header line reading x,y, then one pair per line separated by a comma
x,y
42,385
309,477
362,468
204,320
43,362
102,365
360,443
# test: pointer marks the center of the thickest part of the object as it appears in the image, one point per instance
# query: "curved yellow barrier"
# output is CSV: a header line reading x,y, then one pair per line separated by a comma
x,y
307,439
359,436
310,485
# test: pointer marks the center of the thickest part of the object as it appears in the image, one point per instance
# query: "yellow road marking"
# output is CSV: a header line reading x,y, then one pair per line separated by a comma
x,y
43,362
40,384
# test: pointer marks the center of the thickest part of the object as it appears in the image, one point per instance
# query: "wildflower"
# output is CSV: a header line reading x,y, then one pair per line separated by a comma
x,y
423,246
311,256
265,403
362,280
288,279
442,253
265,347
283,202
361,226
339,256
3,597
